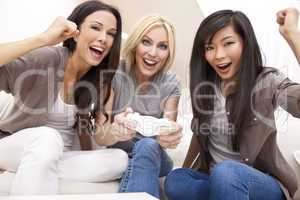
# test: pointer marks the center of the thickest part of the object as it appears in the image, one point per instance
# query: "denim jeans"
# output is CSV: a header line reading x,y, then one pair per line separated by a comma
x,y
229,180
148,162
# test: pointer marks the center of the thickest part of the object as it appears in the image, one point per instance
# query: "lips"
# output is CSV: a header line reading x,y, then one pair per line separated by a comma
x,y
96,52
150,62
224,66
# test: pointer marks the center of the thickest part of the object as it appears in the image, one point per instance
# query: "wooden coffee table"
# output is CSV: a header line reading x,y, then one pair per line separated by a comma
x,y
115,196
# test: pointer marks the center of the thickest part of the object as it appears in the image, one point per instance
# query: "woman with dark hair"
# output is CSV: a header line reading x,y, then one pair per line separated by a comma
x,y
233,152
56,90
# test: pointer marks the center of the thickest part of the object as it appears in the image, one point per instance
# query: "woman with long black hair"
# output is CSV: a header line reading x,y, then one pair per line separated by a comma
x,y
233,152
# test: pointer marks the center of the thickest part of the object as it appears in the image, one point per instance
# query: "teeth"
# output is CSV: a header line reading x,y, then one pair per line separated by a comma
x,y
224,65
150,62
98,49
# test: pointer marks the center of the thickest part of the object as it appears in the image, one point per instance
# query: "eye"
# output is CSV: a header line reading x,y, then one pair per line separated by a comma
x,y
96,28
112,34
208,48
146,42
228,43
163,46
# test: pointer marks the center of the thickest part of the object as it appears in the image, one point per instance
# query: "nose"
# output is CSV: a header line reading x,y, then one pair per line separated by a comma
x,y
220,53
102,37
153,51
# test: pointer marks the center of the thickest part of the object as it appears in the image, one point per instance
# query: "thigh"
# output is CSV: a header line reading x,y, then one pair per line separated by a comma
x,y
246,181
271,190
12,147
258,180
186,183
93,166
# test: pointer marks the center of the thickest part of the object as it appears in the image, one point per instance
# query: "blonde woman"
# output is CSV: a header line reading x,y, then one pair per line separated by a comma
x,y
144,84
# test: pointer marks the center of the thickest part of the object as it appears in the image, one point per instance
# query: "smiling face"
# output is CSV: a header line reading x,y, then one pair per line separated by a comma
x,y
223,53
96,37
152,52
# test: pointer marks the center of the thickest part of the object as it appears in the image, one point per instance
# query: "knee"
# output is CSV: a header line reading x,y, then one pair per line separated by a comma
x,y
147,146
47,145
225,173
174,183
122,160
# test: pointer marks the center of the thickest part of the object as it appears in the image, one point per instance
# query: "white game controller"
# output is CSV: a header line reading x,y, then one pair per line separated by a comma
x,y
149,126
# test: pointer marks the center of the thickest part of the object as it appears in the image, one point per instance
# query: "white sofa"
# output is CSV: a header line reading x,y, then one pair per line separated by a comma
x,y
288,139
65,186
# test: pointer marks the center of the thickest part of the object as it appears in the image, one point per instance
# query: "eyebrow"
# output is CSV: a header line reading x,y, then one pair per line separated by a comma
x,y
230,36
225,38
145,36
97,22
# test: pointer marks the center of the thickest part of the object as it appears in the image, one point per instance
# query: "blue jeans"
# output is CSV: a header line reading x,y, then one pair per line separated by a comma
x,y
148,162
228,180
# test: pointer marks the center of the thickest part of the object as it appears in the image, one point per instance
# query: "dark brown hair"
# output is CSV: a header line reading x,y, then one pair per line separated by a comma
x,y
90,104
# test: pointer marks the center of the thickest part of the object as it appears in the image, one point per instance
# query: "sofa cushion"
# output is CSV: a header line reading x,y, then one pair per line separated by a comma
x,y
65,186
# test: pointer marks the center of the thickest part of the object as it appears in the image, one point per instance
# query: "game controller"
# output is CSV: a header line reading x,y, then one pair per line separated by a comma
x,y
149,126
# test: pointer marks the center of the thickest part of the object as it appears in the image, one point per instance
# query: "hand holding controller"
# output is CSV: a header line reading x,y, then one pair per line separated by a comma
x,y
149,126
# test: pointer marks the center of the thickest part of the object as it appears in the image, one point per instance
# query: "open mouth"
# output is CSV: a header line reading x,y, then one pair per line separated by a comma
x,y
97,51
150,63
224,66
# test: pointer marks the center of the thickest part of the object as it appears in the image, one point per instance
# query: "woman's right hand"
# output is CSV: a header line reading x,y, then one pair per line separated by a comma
x,y
60,30
122,128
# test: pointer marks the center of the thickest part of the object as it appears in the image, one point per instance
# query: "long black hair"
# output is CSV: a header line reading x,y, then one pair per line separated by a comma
x,y
201,72
84,99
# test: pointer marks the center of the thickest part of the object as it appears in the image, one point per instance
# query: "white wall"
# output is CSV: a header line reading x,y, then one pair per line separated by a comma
x,y
23,18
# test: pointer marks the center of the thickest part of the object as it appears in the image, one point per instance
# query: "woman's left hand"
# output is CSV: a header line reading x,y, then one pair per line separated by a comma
x,y
288,21
170,137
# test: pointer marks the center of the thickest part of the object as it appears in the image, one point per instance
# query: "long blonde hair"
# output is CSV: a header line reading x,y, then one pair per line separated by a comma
x,y
143,27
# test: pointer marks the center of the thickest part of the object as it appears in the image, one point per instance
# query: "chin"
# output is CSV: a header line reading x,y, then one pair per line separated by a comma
x,y
94,63
149,74
226,77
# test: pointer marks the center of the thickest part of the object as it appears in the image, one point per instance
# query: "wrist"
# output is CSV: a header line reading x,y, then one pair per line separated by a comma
x,y
291,35
41,39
